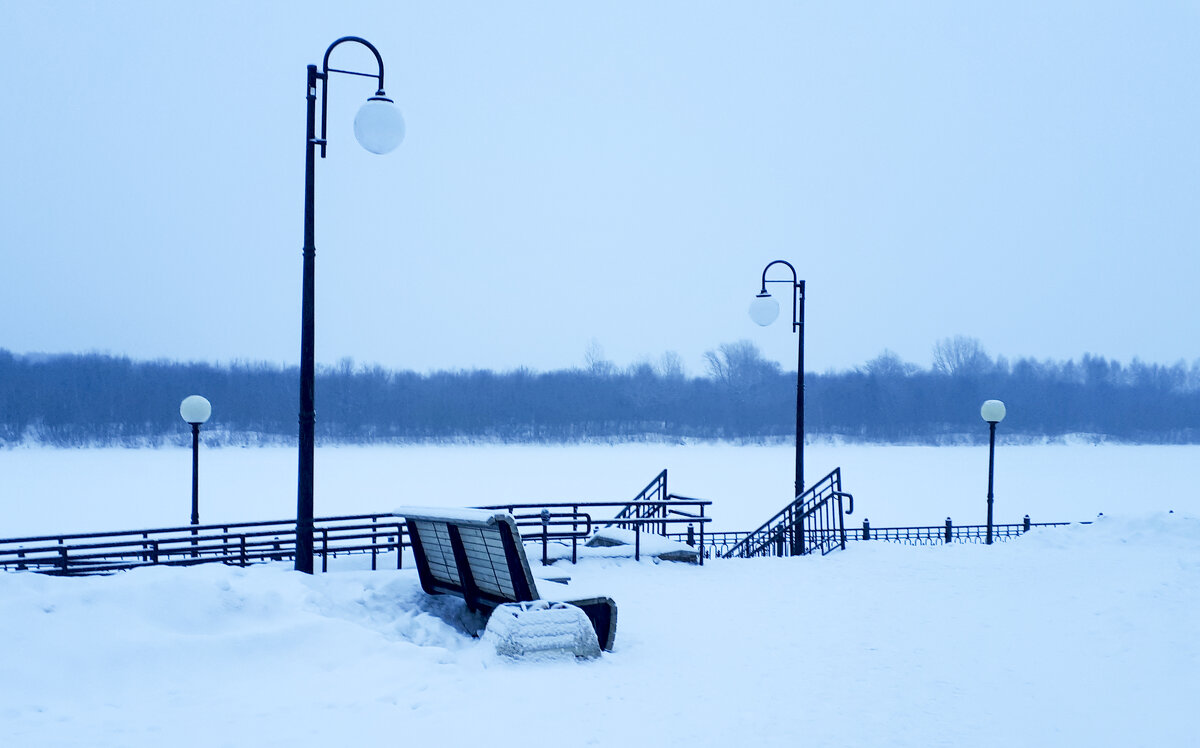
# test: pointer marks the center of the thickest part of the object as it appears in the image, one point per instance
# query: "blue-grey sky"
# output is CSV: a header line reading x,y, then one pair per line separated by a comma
x,y
1026,173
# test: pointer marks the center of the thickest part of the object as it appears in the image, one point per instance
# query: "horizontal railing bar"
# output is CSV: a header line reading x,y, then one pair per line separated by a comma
x,y
647,503
86,566
687,520
189,528
192,542
206,550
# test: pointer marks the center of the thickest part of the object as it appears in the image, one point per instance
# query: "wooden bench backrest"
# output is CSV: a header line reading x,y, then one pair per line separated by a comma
x,y
473,553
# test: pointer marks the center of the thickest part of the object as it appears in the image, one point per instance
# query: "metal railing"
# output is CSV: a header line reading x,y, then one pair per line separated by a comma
x,y
813,522
572,522
244,543
948,532
711,544
719,544
237,544
642,506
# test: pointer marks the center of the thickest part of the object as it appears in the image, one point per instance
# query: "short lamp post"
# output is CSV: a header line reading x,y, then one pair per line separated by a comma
x,y
195,410
764,310
379,128
993,412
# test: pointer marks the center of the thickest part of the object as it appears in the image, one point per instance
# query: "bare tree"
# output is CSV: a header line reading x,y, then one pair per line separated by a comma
x,y
739,365
595,362
889,365
961,356
670,366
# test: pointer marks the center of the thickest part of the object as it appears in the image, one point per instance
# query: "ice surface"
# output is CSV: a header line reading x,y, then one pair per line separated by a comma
x,y
83,490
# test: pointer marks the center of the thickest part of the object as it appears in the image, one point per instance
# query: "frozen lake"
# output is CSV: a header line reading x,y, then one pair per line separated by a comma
x,y
44,491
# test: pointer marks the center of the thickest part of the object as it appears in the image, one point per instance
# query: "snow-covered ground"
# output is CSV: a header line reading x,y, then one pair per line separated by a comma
x,y
1087,635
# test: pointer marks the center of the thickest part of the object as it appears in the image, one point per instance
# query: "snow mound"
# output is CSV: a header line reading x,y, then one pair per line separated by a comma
x,y
541,630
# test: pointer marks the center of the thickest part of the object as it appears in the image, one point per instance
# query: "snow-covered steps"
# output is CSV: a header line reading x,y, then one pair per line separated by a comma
x,y
615,542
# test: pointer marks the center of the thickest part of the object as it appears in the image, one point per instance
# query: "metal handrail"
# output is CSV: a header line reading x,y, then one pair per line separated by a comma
x,y
656,486
242,543
235,543
718,544
187,528
657,516
787,529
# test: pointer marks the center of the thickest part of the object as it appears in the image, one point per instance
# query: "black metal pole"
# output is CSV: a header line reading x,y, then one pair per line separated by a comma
x,y
991,473
799,320
195,474
308,415
798,328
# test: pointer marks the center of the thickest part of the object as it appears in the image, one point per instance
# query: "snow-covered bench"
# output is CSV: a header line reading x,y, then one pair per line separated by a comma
x,y
477,554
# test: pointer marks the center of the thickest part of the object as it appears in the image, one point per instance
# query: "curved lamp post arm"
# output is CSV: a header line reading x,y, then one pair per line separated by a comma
x,y
323,75
773,264
797,292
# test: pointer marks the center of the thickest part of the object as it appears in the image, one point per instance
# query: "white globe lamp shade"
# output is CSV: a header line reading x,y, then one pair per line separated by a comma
x,y
992,411
764,309
379,126
195,409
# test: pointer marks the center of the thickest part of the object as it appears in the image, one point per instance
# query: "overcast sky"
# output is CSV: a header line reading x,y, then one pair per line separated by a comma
x,y
1025,173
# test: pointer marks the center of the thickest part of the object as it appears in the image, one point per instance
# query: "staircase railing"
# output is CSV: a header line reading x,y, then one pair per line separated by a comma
x,y
815,521
646,505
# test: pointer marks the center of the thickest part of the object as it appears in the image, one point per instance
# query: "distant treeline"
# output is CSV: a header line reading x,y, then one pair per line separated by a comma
x,y
73,400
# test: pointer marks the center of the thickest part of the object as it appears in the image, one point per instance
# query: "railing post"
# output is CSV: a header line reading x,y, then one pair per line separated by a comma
x,y
545,536
779,543
663,509
62,560
800,539
949,530
691,540
841,520
790,528
866,529
637,542
242,543
1026,523
575,534
374,540
325,550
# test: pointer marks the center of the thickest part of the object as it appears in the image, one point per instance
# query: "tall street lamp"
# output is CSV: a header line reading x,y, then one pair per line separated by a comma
x,y
195,410
764,310
379,128
993,412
